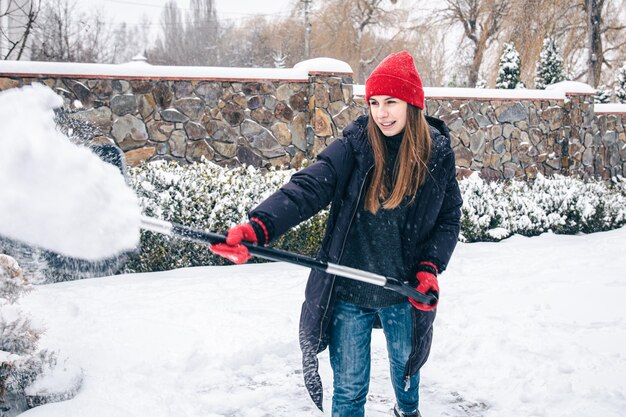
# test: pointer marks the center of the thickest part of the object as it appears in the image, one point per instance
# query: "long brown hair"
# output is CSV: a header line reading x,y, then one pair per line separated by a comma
x,y
411,164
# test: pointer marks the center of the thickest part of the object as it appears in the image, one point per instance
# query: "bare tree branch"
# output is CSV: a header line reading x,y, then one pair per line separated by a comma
x,y
21,18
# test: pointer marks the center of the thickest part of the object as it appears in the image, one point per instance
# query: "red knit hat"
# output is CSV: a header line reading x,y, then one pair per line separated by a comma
x,y
397,77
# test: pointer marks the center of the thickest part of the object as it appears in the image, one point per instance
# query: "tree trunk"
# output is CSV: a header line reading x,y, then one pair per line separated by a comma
x,y
479,51
593,9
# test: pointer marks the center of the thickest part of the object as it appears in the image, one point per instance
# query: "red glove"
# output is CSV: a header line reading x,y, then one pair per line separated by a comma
x,y
233,249
427,279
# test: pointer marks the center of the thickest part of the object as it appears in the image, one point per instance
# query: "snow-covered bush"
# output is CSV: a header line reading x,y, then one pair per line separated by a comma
x,y
483,212
495,210
550,65
24,368
509,69
206,196
209,197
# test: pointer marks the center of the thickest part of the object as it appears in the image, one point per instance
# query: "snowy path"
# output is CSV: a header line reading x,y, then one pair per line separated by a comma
x,y
527,327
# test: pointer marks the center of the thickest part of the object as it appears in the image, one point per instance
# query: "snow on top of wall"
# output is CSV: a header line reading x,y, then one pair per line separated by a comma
x,y
492,93
572,87
480,93
324,65
139,69
557,91
609,108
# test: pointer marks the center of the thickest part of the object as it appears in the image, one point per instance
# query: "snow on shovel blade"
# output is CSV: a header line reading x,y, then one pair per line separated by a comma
x,y
57,195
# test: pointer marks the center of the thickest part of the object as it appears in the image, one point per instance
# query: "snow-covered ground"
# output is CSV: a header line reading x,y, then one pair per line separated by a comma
x,y
527,327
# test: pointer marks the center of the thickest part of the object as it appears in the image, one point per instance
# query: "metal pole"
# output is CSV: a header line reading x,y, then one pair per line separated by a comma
x,y
205,237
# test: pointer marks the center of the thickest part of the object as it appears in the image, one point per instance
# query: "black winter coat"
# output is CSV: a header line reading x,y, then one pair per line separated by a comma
x,y
339,177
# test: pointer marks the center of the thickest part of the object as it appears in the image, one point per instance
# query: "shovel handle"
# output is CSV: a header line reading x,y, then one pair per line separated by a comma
x,y
204,237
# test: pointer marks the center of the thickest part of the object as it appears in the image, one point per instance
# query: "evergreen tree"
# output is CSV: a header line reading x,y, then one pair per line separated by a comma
x,y
550,65
603,95
509,72
620,87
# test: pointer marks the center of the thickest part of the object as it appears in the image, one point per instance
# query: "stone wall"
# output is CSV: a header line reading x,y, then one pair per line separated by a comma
x,y
256,123
507,137
268,121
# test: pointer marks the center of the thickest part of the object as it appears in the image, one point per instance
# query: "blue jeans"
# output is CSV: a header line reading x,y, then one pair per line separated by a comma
x,y
350,356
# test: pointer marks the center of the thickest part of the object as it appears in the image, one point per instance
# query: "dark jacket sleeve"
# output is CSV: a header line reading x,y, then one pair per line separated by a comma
x,y
307,192
445,233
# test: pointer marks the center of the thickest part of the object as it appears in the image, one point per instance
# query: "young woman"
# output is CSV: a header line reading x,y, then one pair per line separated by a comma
x,y
395,210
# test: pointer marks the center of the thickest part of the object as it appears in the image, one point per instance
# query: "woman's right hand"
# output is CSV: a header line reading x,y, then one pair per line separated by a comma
x,y
233,250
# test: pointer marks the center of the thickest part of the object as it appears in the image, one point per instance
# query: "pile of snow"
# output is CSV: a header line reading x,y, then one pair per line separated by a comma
x,y
525,327
30,375
571,87
60,382
55,194
330,65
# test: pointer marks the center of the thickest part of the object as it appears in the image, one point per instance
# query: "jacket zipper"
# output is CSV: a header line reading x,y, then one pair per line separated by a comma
x,y
343,245
409,364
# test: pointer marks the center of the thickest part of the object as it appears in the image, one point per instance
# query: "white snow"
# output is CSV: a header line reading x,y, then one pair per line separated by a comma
x,y
55,194
571,87
66,377
609,108
324,65
8,357
526,327
358,90
480,93
138,68
492,93
558,91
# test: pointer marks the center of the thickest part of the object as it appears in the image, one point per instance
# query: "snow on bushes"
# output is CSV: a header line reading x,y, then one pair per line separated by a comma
x,y
28,376
495,210
207,196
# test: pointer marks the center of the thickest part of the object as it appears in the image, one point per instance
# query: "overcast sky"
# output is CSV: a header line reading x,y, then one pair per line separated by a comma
x,y
131,11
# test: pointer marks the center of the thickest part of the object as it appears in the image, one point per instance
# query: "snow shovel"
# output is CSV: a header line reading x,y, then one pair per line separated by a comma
x,y
204,237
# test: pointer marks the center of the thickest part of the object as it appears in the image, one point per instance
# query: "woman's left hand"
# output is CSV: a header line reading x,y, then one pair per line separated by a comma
x,y
427,284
